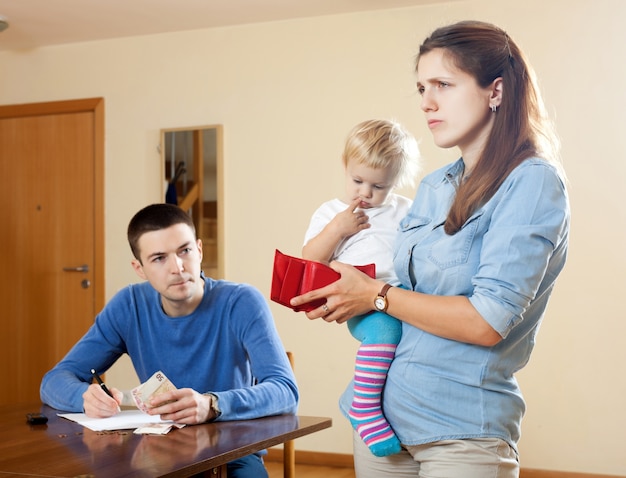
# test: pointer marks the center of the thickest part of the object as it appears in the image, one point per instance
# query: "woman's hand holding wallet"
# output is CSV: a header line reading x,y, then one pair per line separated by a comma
x,y
293,276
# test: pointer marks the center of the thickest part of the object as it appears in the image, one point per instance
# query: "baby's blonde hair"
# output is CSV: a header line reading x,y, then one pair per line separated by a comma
x,y
382,144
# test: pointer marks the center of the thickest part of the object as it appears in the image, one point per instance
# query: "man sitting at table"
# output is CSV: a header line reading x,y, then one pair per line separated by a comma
x,y
215,340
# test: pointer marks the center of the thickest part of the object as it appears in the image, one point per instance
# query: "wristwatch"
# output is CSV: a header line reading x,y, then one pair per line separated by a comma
x,y
380,302
215,408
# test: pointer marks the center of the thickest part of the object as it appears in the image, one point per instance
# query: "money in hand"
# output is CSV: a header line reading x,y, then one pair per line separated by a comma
x,y
155,385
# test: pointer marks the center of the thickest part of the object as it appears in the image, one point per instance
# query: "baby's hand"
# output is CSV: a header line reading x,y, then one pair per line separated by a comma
x,y
351,221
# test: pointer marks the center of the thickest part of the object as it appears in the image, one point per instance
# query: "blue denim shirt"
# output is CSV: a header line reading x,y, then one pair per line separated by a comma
x,y
505,259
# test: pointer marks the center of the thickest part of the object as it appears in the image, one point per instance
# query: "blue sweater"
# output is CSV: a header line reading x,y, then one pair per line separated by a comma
x,y
227,345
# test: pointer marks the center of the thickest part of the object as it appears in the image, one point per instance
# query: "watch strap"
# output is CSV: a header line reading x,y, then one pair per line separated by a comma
x,y
383,291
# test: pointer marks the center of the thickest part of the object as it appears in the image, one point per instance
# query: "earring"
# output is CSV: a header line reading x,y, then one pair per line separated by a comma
x,y
494,108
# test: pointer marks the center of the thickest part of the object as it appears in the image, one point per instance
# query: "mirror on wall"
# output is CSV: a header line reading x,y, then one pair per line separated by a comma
x,y
192,166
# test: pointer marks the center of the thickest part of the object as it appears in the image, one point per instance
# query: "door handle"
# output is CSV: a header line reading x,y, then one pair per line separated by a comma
x,y
83,268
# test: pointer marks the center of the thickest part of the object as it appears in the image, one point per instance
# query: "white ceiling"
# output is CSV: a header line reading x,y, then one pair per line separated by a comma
x,y
37,23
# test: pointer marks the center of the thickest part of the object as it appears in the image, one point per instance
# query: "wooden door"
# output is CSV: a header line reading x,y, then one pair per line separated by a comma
x,y
51,236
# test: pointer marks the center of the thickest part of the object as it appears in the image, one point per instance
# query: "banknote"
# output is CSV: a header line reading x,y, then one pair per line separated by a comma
x,y
157,428
155,385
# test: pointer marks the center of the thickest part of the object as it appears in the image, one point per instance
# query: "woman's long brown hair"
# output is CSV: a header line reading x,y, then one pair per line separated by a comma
x,y
521,128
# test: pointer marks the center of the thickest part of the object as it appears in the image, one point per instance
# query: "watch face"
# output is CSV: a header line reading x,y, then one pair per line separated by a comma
x,y
379,303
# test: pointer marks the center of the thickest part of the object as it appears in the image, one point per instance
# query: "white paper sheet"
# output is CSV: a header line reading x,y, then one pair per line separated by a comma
x,y
124,420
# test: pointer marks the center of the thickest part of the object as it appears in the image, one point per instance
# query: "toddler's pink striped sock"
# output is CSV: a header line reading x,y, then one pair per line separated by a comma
x,y
366,414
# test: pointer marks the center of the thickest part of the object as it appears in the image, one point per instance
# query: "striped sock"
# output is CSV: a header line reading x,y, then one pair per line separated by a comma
x,y
366,414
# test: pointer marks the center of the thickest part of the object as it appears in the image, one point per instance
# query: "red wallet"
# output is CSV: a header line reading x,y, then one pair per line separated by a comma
x,y
294,276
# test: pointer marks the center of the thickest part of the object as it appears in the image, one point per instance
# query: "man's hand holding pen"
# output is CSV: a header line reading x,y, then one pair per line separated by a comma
x,y
100,401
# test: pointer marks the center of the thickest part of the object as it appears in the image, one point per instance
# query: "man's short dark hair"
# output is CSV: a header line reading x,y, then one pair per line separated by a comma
x,y
154,218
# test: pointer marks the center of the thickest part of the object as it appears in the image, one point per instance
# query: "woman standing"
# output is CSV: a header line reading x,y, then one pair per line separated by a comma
x,y
478,253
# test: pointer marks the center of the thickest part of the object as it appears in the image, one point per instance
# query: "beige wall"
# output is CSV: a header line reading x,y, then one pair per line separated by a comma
x,y
288,92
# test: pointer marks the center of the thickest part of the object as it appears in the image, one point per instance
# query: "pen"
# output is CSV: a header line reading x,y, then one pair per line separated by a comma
x,y
101,383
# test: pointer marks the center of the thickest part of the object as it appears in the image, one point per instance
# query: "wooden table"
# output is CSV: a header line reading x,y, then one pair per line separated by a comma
x,y
63,448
